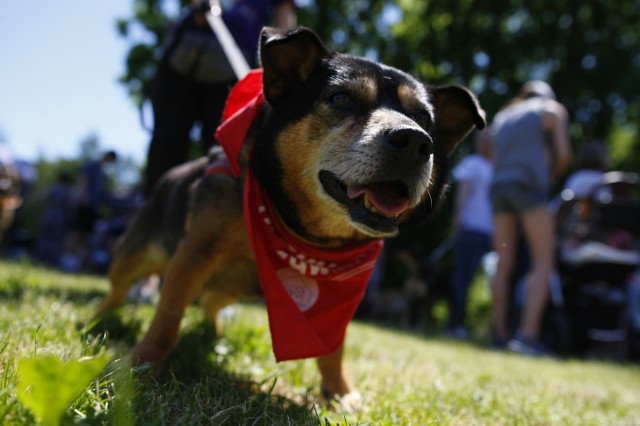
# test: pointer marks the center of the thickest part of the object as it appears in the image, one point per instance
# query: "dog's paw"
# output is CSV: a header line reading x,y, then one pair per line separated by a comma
x,y
350,402
143,354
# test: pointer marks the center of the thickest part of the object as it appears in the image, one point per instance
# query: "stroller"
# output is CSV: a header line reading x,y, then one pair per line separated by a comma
x,y
596,305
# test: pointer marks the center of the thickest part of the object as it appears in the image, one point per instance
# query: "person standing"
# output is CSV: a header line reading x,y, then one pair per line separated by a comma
x,y
532,150
93,196
193,78
10,183
57,210
473,226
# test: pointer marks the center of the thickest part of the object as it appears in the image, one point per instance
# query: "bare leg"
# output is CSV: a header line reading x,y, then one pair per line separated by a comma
x,y
504,243
539,231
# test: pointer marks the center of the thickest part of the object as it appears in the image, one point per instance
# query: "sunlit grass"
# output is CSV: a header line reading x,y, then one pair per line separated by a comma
x,y
405,378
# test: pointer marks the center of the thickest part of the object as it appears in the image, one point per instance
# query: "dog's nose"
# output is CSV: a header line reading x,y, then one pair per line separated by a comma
x,y
413,142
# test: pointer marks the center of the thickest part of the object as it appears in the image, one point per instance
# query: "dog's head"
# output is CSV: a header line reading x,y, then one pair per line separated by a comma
x,y
353,148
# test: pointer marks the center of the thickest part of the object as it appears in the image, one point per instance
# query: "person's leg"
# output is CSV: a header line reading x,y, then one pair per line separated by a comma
x,y
459,276
211,106
539,232
504,244
173,118
469,249
479,246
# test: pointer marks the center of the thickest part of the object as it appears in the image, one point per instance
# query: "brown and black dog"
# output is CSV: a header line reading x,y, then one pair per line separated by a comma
x,y
346,151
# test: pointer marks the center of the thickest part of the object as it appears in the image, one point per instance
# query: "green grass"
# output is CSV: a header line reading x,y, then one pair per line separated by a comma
x,y
406,379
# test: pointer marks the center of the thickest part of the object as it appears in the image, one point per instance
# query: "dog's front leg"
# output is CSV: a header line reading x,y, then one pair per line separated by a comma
x,y
335,384
185,276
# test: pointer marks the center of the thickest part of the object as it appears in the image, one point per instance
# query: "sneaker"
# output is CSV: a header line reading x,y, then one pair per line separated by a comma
x,y
459,333
528,347
498,344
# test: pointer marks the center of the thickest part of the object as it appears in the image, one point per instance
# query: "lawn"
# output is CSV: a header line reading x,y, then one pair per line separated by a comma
x,y
406,378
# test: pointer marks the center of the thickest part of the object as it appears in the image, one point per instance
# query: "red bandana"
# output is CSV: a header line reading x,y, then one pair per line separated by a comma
x,y
311,293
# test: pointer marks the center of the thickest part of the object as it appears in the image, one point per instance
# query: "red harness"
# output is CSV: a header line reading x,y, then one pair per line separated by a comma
x,y
311,293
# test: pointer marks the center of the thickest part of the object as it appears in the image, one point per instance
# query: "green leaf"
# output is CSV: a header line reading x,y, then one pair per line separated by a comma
x,y
47,385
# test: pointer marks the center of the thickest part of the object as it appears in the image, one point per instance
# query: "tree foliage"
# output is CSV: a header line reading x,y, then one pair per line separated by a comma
x,y
588,51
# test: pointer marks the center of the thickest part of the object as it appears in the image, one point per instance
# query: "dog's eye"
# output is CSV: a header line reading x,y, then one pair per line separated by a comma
x,y
423,118
342,100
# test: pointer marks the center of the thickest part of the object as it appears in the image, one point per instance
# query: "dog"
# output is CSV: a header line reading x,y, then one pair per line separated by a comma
x,y
335,153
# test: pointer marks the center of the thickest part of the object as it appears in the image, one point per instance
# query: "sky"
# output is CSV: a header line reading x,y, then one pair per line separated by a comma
x,y
59,65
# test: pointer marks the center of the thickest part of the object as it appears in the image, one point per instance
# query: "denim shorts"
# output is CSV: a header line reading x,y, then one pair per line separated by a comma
x,y
515,198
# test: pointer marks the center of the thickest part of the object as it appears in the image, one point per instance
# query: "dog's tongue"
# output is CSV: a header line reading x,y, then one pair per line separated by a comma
x,y
389,199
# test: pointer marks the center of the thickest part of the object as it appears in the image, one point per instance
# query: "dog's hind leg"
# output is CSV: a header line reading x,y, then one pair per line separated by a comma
x,y
212,302
188,270
238,281
127,267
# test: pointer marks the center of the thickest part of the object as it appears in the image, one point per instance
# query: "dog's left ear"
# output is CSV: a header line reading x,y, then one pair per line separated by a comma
x,y
457,111
288,59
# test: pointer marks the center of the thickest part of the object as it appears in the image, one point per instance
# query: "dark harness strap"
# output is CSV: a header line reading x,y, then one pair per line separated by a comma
x,y
221,165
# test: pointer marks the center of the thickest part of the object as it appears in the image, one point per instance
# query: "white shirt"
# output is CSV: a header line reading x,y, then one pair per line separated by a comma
x,y
476,213
583,182
6,158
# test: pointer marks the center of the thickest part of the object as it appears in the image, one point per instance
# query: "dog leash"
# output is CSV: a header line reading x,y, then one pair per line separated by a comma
x,y
231,50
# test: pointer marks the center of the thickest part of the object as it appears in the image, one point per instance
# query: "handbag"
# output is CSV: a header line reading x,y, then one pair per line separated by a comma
x,y
198,54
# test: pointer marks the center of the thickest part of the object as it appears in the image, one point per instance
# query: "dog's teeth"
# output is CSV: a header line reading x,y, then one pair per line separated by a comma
x,y
367,202
368,205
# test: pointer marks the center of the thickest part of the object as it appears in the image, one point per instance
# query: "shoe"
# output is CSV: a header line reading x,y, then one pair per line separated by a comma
x,y
528,347
498,344
458,332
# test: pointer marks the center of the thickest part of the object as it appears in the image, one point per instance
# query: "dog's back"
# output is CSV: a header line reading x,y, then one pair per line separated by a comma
x,y
156,224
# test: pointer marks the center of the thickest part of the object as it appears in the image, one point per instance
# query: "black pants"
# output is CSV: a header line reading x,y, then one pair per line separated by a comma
x,y
178,104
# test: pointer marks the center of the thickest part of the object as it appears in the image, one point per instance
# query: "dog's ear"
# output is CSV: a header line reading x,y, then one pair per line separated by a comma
x,y
457,112
288,59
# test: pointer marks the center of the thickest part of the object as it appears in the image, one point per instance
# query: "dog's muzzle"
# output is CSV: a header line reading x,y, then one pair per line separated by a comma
x,y
395,174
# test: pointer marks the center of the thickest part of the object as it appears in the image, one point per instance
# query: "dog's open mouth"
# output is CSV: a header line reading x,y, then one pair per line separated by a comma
x,y
376,205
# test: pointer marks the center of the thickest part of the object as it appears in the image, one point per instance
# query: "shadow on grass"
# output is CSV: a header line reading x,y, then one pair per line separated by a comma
x,y
196,386
117,331
195,363
14,289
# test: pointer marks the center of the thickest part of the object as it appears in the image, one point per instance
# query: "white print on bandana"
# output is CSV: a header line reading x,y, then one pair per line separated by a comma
x,y
303,290
306,266
310,267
